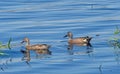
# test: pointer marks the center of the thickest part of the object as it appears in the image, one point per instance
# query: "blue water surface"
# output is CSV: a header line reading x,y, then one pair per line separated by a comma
x,y
47,21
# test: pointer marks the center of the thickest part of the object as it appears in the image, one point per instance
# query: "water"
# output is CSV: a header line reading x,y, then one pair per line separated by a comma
x,y
47,21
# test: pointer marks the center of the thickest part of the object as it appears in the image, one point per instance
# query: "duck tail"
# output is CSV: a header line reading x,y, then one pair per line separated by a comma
x,y
89,39
49,46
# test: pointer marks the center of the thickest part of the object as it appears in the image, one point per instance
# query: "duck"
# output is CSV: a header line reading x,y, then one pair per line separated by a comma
x,y
78,40
35,46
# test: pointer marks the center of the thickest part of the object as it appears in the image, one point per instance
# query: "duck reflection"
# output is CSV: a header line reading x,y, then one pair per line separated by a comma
x,y
70,45
87,45
26,53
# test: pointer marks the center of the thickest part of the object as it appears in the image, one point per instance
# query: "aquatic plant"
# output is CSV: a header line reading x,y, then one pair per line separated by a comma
x,y
117,31
9,42
3,46
115,41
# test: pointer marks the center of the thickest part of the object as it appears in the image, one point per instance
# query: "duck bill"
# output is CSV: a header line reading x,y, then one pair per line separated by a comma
x,y
22,42
65,36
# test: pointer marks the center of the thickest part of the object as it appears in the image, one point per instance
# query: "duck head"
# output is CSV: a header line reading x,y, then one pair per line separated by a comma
x,y
69,35
26,40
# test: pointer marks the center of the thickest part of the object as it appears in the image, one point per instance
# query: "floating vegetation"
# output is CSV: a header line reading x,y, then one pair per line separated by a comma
x,y
9,42
4,46
117,31
115,41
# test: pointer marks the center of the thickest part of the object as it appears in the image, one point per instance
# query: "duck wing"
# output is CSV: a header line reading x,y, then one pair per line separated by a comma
x,y
40,46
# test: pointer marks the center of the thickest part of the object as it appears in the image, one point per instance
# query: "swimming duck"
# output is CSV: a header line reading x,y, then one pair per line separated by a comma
x,y
79,40
36,46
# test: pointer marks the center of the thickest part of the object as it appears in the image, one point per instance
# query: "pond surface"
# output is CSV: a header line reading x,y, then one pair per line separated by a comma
x,y
46,22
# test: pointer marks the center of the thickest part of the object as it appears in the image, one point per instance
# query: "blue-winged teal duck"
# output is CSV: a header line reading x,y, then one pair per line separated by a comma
x,y
78,40
36,46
